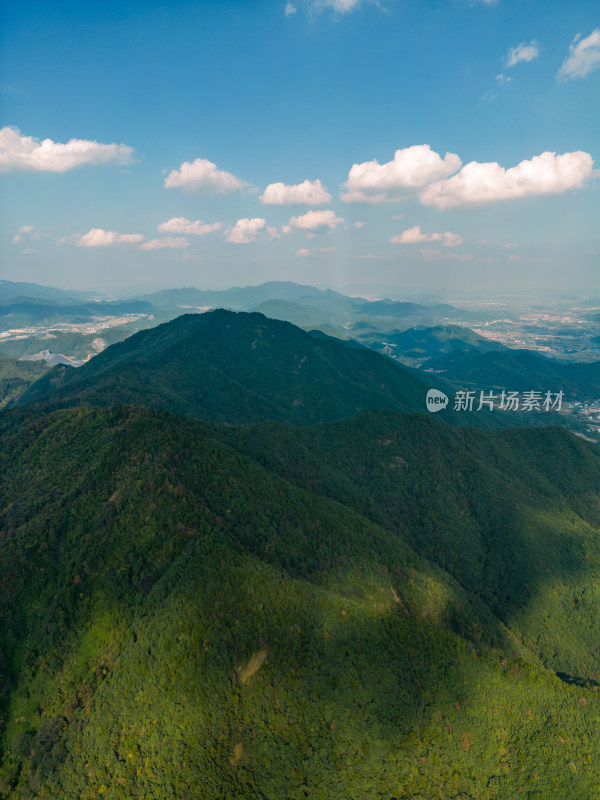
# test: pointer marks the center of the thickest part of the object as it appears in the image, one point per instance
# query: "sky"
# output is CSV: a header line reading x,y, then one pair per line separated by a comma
x,y
378,147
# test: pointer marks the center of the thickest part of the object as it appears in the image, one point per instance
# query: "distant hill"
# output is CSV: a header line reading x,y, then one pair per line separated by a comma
x,y
421,342
519,370
11,291
26,312
239,297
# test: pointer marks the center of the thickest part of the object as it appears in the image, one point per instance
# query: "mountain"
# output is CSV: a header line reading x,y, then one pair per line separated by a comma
x,y
420,342
12,291
16,377
376,607
240,297
237,367
33,313
519,370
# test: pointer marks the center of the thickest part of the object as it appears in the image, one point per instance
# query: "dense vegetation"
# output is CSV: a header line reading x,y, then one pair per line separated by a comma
x,y
246,368
199,611
382,606
520,370
16,377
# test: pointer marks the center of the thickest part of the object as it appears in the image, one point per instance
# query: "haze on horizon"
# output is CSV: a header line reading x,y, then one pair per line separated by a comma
x,y
377,148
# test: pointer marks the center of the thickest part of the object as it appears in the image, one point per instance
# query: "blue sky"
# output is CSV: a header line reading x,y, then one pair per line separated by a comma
x,y
389,147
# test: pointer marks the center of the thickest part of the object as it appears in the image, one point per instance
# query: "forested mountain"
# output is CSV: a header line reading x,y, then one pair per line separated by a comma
x,y
239,368
519,370
378,607
372,605
421,343
16,377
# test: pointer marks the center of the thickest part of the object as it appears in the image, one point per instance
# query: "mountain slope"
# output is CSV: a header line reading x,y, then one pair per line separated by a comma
x,y
238,367
520,370
181,620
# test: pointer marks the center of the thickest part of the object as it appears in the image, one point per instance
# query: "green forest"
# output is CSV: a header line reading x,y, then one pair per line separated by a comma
x,y
220,601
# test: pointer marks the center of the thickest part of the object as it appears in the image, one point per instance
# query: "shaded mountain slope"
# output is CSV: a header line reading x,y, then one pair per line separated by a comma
x,y
520,370
185,615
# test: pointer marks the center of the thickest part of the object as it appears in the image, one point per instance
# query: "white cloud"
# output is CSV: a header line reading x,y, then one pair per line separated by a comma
x,y
309,193
174,242
30,250
411,168
478,183
305,251
314,222
183,225
416,236
432,255
18,152
202,175
359,225
522,52
25,231
583,58
97,237
510,245
343,6
245,231
289,9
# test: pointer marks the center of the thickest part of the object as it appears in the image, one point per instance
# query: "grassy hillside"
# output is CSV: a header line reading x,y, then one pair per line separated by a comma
x,y
190,610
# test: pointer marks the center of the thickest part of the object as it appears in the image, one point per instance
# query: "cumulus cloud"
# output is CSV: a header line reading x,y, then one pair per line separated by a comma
x,y
314,222
202,175
174,242
18,152
97,237
183,225
416,236
25,231
309,193
245,230
30,250
479,183
303,252
359,225
583,58
342,6
289,9
411,168
522,52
